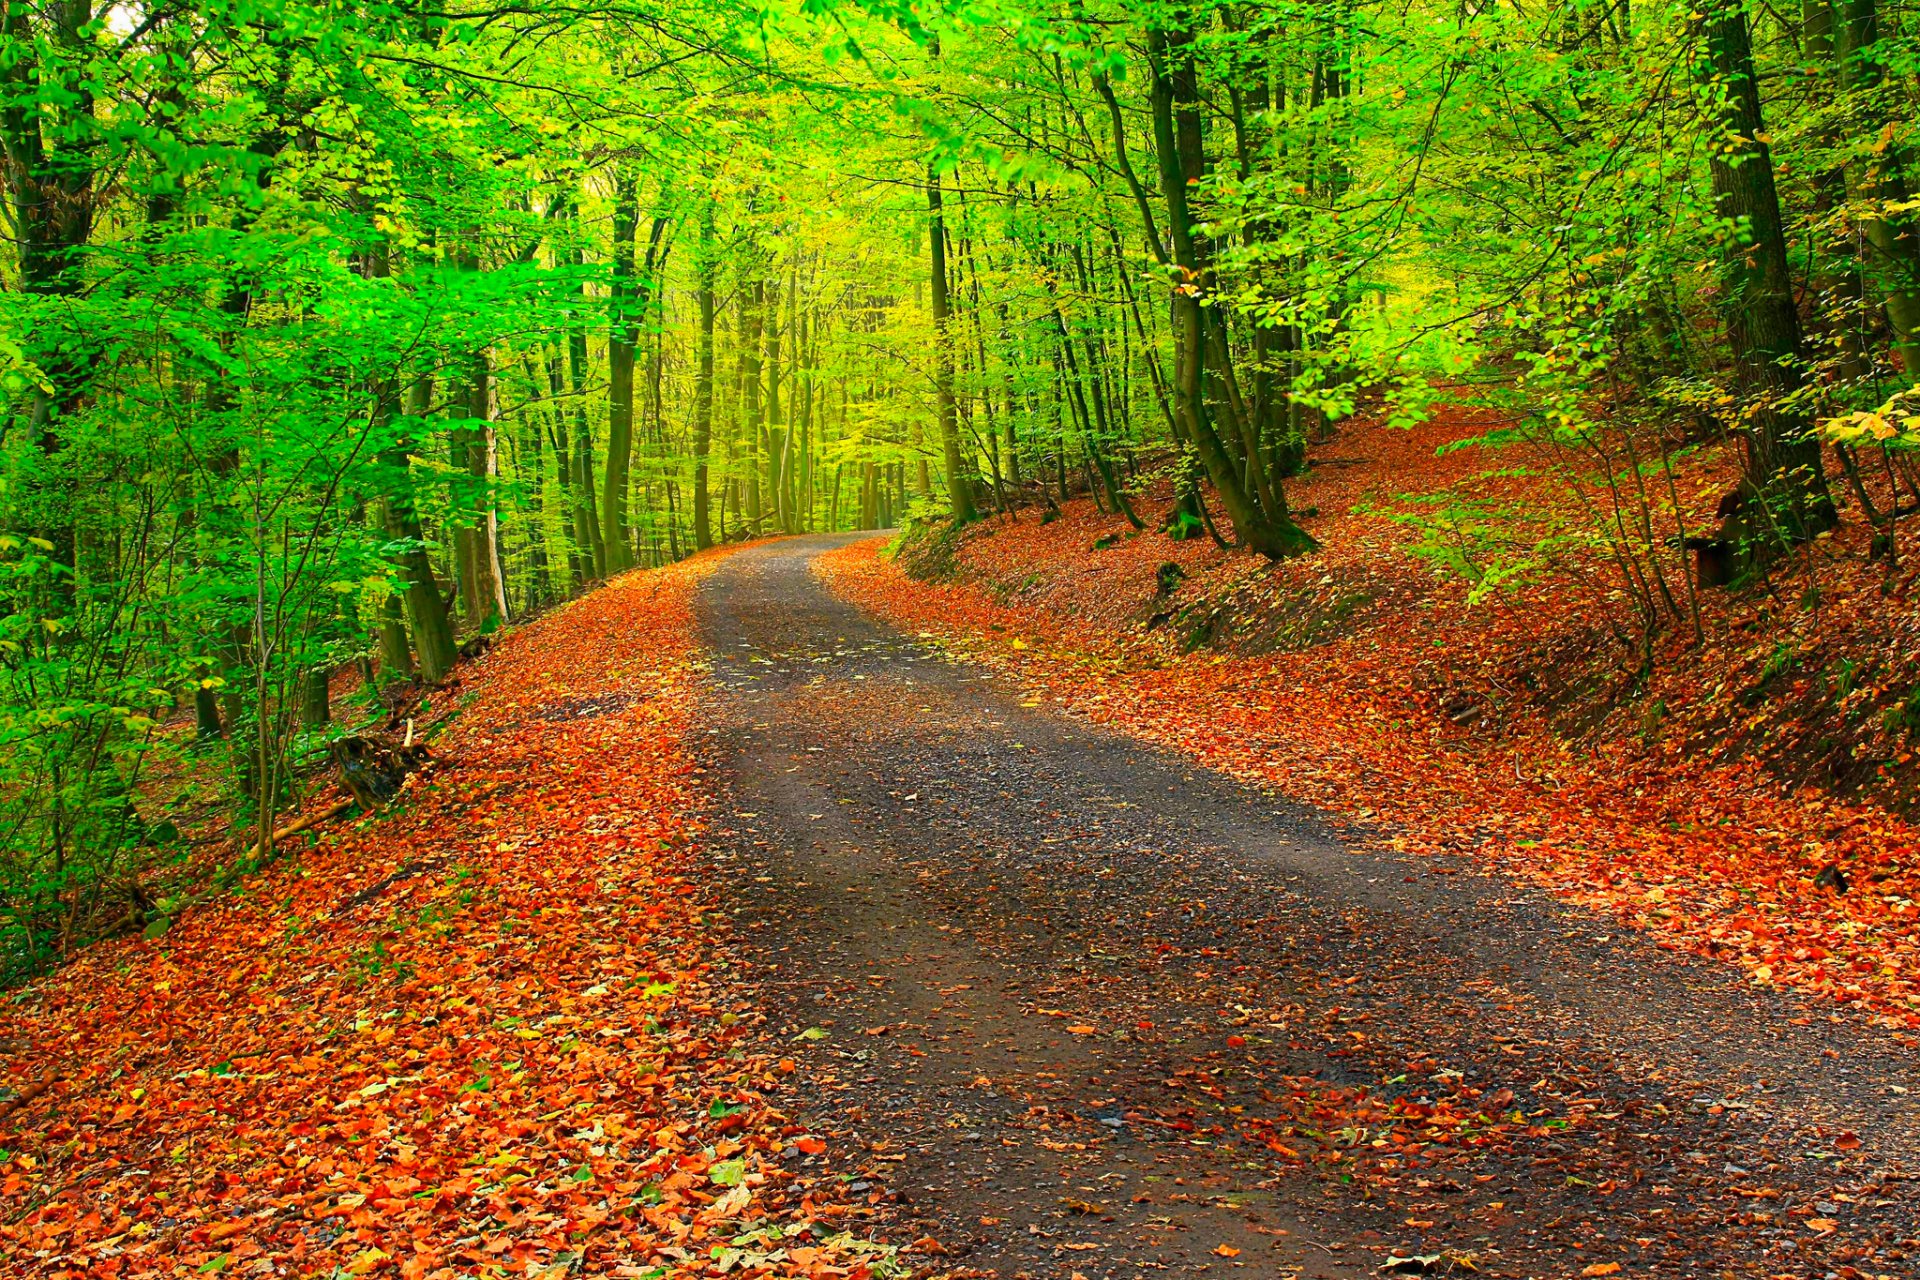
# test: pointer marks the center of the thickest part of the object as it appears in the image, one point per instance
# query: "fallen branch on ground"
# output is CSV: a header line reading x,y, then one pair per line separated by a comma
x,y
28,1094
305,823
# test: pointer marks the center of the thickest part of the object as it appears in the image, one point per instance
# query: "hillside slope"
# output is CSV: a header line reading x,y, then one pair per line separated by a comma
x,y
1714,790
488,1028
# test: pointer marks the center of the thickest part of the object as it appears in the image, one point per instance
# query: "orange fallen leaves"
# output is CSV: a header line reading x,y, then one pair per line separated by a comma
x,y
1705,850
518,1057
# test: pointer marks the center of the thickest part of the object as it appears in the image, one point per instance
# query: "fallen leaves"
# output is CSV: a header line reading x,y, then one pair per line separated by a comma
x,y
519,1058
1378,695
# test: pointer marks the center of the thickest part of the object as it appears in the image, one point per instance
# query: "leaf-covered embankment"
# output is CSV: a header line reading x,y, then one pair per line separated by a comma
x,y
1354,680
486,1029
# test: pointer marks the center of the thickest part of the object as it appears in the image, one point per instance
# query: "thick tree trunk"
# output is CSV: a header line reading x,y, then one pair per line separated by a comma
x,y
316,706
1783,468
51,190
1177,140
1878,179
426,607
396,655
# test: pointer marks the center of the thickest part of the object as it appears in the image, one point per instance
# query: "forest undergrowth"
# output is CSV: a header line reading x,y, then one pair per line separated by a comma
x,y
1741,792
493,1028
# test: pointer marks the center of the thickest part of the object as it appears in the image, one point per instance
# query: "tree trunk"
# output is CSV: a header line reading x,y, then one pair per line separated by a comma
x,y
703,384
620,350
959,484
1878,179
774,438
315,697
52,193
426,607
396,655
753,305
489,584
1783,466
1177,140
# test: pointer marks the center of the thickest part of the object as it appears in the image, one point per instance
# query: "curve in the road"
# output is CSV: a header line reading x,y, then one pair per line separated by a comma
x,y
1068,995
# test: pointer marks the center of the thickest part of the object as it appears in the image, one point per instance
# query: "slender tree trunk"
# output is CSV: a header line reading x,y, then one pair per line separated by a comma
x,y
774,438
538,561
703,383
489,583
959,484
582,513
579,554
752,322
586,516
1177,140
620,351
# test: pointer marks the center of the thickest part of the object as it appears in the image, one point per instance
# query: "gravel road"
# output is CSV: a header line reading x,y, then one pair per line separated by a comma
x,y
1069,1005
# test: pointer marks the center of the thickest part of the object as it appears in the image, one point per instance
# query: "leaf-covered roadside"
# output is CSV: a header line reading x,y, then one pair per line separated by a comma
x,y
1357,715
488,1031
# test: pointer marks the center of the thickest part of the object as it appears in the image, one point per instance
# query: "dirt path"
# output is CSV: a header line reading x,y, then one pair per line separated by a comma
x,y
1069,1005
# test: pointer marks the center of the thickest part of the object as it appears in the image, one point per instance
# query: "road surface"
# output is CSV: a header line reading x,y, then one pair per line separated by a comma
x,y
1068,1005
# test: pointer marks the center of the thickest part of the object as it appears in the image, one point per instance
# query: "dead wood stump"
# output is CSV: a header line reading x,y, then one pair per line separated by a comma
x,y
373,767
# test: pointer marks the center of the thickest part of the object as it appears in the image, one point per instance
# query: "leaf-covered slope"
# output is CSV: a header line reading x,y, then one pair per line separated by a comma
x,y
485,1029
1512,730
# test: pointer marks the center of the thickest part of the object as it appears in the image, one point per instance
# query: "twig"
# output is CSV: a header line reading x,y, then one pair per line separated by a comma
x,y
374,890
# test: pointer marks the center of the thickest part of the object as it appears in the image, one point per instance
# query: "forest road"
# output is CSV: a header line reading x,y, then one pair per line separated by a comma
x,y
1056,998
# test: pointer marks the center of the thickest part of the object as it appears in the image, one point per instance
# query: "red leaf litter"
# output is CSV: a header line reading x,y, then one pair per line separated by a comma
x,y
482,1032
1373,689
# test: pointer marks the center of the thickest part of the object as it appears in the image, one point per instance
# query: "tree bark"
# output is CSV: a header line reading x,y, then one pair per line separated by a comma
x,y
959,484
703,384
489,583
426,607
1177,140
620,351
50,184
1876,177
1783,465
752,323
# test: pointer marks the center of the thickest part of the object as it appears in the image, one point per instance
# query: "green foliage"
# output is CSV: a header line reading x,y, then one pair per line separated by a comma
x,y
1492,545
